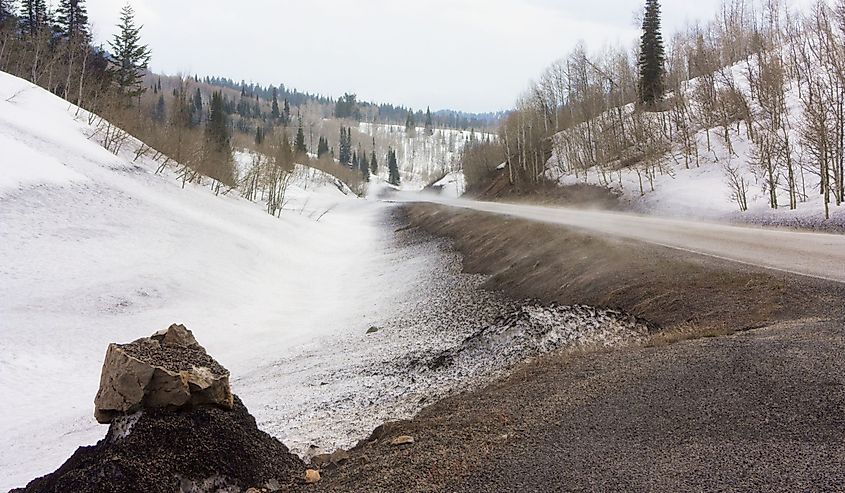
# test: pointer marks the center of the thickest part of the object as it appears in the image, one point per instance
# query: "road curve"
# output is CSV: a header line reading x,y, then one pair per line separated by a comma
x,y
819,255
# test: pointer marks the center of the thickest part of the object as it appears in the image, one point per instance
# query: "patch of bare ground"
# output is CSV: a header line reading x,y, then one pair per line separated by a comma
x,y
743,389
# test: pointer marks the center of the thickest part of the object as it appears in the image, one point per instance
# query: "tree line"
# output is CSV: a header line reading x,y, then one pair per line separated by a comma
x,y
758,72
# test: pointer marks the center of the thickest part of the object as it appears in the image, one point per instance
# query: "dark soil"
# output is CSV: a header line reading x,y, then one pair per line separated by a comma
x,y
207,449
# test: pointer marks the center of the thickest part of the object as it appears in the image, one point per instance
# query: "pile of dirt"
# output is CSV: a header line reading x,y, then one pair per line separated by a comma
x,y
174,426
206,449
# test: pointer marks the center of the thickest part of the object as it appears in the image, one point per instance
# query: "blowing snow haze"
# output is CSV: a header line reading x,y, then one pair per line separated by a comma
x,y
468,55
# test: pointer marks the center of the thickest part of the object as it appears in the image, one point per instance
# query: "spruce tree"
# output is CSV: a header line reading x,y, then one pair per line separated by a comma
x,y
410,124
392,168
429,124
130,57
7,11
373,163
322,147
652,56
365,167
196,107
33,16
72,19
299,143
274,112
259,136
217,162
160,111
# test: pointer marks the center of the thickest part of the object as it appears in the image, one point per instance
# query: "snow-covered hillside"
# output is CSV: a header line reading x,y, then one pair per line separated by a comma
x,y
422,158
97,248
707,165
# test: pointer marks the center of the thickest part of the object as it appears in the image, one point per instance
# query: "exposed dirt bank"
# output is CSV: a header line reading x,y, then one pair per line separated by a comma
x,y
667,287
761,409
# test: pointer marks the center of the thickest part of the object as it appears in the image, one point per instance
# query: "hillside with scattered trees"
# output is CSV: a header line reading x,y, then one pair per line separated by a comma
x,y
198,124
746,109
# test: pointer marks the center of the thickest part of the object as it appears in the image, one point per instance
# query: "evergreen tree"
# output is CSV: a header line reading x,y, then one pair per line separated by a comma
x,y
217,151
345,147
410,124
365,167
196,108
130,57
7,11
72,19
392,168
299,143
429,124
322,147
652,56
287,112
259,136
33,16
373,162
160,110
274,112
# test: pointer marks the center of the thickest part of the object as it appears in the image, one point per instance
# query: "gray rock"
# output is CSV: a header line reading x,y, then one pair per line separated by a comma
x,y
168,370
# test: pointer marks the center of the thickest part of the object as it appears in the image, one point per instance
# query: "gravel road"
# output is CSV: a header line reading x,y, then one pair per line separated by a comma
x,y
820,255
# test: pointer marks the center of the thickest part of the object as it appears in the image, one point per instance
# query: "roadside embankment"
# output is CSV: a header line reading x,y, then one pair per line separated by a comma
x,y
673,289
754,410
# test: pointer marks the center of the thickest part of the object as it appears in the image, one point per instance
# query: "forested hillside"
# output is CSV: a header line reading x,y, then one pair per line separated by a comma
x,y
748,115
196,124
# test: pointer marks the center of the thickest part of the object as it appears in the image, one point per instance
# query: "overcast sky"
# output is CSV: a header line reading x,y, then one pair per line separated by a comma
x,y
472,55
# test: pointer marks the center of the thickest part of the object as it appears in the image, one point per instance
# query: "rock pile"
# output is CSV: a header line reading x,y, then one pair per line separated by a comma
x,y
168,370
174,427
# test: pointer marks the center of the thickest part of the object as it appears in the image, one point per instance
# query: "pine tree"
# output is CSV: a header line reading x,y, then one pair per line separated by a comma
x,y
217,158
129,55
274,112
392,168
72,19
33,16
196,107
652,56
7,11
299,143
322,147
365,167
429,125
160,111
373,163
345,146
410,125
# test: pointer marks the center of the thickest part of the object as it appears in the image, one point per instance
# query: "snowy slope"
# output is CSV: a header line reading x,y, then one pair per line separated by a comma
x,y
422,158
95,248
702,189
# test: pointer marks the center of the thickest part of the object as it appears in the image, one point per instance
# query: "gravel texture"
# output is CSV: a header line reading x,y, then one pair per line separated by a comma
x,y
156,451
173,358
760,410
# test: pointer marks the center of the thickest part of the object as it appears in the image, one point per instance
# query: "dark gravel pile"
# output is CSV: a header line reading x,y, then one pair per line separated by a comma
x,y
204,450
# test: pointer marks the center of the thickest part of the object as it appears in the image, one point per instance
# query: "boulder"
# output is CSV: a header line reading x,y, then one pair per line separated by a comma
x,y
174,426
167,370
